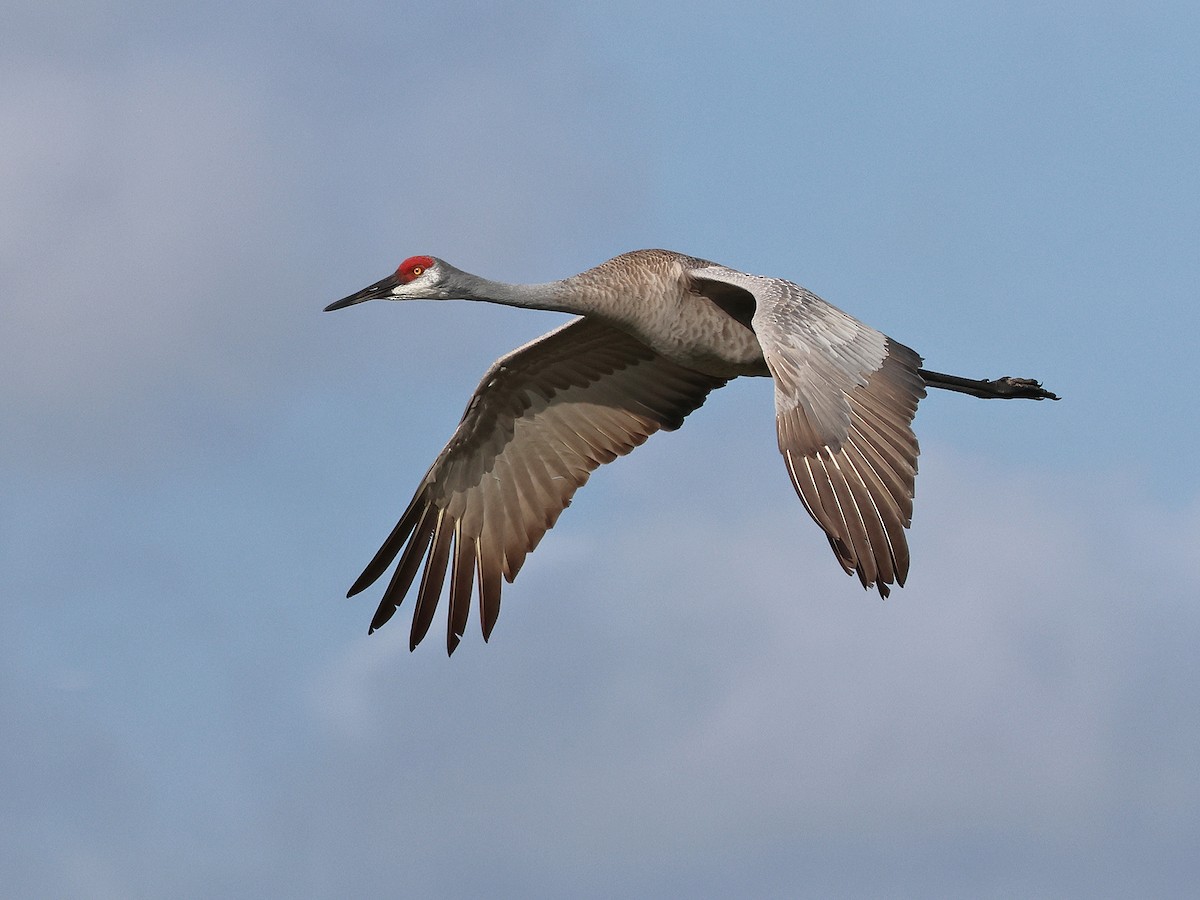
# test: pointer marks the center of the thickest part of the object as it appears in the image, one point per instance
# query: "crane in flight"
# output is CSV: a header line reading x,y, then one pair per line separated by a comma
x,y
655,332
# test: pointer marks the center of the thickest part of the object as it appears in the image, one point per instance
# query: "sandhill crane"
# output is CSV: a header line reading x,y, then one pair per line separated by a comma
x,y
656,332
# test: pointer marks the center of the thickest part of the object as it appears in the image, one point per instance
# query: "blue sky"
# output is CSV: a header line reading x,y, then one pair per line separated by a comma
x,y
683,694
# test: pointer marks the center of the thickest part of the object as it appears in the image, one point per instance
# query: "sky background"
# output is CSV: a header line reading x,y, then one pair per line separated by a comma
x,y
684,695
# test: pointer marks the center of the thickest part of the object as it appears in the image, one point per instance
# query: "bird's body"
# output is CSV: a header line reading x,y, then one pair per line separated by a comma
x,y
657,332
648,294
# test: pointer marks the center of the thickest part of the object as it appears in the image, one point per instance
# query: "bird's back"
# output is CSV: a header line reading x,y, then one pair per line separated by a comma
x,y
649,294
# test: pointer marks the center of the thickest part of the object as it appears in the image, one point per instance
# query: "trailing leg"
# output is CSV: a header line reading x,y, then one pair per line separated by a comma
x,y
1006,388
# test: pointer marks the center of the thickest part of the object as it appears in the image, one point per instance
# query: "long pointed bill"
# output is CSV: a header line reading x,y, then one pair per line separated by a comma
x,y
379,289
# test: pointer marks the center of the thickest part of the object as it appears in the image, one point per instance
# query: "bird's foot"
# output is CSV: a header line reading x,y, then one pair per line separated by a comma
x,y
1021,388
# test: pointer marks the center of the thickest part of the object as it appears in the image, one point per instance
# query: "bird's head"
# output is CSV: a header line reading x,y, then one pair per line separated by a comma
x,y
417,278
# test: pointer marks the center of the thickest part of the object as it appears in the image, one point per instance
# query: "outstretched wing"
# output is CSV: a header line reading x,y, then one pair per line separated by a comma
x,y
845,397
541,420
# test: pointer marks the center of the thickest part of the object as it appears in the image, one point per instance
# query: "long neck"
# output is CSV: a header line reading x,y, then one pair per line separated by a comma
x,y
552,295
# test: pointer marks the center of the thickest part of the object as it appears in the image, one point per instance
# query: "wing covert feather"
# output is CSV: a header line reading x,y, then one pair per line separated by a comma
x,y
542,419
845,397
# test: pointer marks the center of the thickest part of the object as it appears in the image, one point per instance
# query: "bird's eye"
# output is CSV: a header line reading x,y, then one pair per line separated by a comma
x,y
414,267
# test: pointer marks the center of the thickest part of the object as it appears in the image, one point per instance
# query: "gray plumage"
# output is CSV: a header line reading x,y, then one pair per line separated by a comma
x,y
657,332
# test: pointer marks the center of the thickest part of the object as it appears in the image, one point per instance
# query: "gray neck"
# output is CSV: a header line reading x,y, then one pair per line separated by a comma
x,y
552,295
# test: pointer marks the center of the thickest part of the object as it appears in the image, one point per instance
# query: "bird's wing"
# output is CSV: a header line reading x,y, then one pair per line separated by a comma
x,y
845,397
541,420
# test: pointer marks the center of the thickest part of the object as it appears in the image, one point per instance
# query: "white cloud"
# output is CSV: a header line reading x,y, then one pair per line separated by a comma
x,y
127,201
133,209
171,229
720,677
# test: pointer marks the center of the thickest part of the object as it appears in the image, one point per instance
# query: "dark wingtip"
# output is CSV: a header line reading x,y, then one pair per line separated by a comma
x,y
360,585
382,615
